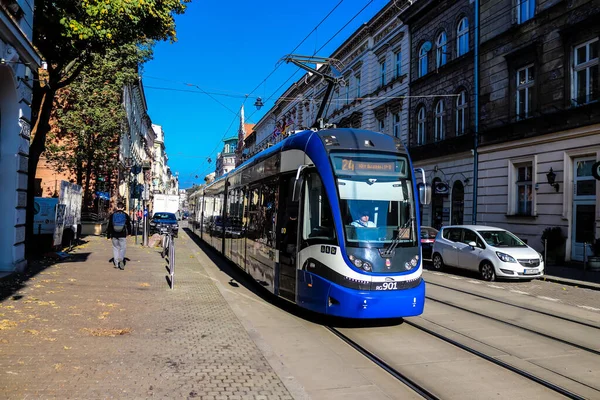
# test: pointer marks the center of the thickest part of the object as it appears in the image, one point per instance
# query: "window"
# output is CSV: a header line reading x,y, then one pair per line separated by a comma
x,y
398,63
421,126
525,10
525,81
347,93
382,73
422,61
452,234
524,189
470,236
585,73
381,124
461,108
397,125
462,37
439,121
441,49
357,83
317,224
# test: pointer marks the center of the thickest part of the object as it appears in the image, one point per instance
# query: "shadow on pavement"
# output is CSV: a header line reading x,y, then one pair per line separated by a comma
x,y
239,277
11,284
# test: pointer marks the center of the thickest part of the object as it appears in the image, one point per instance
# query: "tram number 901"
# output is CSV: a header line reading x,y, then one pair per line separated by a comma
x,y
387,286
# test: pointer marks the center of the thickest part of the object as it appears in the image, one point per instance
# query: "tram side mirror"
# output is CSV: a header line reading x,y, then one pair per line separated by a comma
x,y
298,184
424,193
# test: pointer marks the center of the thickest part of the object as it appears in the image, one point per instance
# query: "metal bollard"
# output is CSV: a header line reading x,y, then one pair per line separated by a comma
x,y
584,256
545,252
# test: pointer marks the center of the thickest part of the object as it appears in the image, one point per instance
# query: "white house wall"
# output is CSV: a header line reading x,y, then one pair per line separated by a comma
x,y
551,208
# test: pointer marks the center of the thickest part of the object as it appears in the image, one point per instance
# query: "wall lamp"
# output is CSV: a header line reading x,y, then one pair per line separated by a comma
x,y
551,176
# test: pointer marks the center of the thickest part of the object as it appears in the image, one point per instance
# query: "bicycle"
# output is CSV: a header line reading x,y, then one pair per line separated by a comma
x,y
168,247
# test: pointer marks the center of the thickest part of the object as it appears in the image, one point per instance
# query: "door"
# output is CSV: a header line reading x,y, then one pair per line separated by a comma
x,y
287,239
469,257
584,207
450,246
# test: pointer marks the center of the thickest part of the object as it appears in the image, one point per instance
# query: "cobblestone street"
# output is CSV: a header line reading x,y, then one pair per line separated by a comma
x,y
83,329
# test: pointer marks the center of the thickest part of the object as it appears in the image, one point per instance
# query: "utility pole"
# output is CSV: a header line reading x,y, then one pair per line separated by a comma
x,y
476,96
335,66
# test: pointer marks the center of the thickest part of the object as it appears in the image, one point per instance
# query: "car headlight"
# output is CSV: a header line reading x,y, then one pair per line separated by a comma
x,y
541,257
505,257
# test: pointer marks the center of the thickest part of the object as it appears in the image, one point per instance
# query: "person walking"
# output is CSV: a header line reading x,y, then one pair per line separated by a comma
x,y
119,225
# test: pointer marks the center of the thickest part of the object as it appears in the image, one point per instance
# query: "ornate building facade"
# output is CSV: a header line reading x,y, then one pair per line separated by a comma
x,y
18,59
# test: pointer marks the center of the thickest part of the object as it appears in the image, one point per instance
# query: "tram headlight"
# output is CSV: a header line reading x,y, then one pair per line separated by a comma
x,y
412,263
358,263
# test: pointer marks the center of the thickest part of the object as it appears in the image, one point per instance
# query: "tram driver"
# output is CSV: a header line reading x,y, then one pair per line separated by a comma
x,y
363,221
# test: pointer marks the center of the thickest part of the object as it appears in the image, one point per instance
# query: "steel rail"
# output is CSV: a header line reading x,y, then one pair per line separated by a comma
x,y
502,364
421,391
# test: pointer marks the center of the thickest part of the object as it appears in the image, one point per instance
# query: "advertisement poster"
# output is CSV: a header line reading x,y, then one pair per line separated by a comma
x,y
44,215
68,211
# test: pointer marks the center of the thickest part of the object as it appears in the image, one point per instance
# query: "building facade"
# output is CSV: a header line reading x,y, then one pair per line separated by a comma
x,y
135,147
372,94
159,166
227,158
540,119
440,137
18,59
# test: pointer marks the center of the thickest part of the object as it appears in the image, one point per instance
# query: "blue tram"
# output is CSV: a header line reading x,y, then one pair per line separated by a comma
x,y
325,219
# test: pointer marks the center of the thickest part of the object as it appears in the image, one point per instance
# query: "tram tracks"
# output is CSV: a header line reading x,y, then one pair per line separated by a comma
x,y
556,352
406,380
422,389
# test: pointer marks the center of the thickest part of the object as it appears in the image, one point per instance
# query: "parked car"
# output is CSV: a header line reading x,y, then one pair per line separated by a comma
x,y
493,252
164,219
428,235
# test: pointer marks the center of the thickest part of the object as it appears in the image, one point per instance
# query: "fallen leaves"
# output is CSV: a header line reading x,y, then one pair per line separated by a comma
x,y
7,324
107,332
144,284
32,331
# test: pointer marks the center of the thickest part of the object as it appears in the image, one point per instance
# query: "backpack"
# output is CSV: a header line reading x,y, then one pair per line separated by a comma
x,y
119,219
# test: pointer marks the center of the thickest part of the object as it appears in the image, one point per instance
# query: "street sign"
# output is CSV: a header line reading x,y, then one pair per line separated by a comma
x,y
596,170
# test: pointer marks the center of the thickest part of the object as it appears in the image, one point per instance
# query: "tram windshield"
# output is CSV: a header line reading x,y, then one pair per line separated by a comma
x,y
376,199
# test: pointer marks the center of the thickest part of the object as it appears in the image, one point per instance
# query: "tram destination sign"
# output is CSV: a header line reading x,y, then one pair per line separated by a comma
x,y
360,166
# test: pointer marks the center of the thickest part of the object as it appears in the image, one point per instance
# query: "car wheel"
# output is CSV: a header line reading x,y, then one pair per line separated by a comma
x,y
438,263
488,273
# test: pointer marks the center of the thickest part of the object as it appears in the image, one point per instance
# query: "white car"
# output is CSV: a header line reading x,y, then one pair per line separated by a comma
x,y
493,252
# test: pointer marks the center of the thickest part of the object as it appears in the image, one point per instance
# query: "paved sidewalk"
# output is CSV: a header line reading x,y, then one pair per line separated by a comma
x,y
573,276
83,329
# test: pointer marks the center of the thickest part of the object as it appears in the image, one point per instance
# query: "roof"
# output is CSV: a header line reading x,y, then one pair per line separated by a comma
x,y
475,227
248,128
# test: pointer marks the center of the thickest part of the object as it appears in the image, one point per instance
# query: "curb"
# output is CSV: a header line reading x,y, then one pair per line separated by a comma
x,y
570,282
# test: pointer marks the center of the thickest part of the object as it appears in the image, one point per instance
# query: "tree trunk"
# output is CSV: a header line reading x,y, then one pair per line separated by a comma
x,y
42,107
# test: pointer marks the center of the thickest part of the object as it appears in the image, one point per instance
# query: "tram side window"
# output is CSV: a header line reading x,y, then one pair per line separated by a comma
x,y
268,212
317,219
253,214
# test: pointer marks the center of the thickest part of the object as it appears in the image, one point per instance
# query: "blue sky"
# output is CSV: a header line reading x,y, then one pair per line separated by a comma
x,y
227,49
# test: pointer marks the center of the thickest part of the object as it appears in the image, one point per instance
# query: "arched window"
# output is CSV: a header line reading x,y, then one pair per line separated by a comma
x,y
441,47
461,111
421,126
458,203
439,121
462,37
422,61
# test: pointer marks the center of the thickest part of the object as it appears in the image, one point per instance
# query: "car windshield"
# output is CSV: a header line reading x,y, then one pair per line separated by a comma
x,y
164,215
501,239
376,199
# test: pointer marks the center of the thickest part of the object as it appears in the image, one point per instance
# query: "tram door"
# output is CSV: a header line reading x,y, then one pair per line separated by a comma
x,y
287,235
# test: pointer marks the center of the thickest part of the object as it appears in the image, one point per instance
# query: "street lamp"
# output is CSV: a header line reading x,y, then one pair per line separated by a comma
x,y
258,103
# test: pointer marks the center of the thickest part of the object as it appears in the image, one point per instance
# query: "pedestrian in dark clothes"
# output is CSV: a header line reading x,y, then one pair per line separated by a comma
x,y
119,226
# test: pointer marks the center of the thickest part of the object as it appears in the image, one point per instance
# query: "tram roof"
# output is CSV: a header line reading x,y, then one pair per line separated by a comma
x,y
346,138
